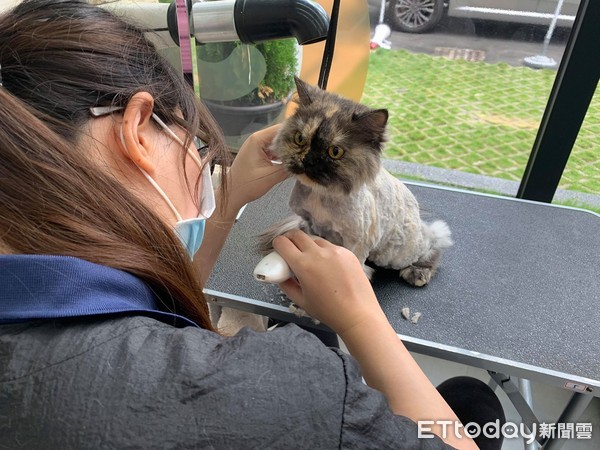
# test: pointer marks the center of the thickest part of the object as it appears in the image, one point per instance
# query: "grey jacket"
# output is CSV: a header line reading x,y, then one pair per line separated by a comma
x,y
136,382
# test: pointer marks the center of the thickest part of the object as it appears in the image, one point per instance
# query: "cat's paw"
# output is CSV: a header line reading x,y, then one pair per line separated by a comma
x,y
416,276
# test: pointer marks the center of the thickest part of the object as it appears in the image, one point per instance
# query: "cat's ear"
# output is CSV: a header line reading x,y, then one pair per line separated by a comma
x,y
303,89
372,119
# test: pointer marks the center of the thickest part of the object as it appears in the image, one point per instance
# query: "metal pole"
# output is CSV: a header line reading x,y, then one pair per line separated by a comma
x,y
525,388
552,26
574,409
382,11
542,61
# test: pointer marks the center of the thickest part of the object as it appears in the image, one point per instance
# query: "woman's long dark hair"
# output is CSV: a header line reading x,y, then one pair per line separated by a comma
x,y
57,59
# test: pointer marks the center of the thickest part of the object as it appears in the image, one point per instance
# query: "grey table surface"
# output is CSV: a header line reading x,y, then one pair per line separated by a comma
x,y
518,292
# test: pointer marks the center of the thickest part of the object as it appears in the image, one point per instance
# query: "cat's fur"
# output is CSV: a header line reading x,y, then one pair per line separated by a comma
x,y
352,200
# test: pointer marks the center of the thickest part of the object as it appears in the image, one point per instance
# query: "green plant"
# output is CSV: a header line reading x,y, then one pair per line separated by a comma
x,y
281,62
228,68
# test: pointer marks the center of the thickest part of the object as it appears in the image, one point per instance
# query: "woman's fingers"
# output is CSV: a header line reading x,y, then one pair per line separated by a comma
x,y
264,138
292,289
301,240
286,247
267,134
330,284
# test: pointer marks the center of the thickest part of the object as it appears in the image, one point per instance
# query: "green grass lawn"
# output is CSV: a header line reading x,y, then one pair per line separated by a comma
x,y
473,116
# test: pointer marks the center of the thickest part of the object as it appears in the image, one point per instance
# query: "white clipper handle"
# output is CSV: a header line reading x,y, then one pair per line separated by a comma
x,y
272,269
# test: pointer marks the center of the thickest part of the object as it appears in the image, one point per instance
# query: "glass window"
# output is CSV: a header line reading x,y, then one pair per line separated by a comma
x,y
466,83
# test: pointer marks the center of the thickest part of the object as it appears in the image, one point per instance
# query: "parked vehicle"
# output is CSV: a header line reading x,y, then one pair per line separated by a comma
x,y
419,16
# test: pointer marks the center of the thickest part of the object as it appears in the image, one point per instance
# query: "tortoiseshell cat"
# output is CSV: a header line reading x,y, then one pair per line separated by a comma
x,y
342,193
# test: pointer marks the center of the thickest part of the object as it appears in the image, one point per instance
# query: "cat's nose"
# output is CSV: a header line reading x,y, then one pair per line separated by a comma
x,y
311,162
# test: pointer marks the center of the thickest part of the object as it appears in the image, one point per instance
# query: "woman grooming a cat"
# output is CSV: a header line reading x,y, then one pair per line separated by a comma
x,y
105,338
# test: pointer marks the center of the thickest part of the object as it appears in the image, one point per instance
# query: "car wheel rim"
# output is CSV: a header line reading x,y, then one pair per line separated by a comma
x,y
414,13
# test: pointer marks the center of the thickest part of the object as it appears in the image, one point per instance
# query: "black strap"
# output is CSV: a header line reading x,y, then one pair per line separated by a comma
x,y
329,46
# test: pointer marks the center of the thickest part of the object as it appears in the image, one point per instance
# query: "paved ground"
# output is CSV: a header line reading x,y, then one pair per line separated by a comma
x,y
500,42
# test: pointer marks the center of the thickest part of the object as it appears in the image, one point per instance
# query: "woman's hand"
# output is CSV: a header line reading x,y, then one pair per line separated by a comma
x,y
252,174
331,286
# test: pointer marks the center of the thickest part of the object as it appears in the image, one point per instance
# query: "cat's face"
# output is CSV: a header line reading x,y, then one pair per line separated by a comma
x,y
331,141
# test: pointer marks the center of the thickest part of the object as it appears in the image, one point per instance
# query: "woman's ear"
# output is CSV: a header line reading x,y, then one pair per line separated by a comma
x,y
135,133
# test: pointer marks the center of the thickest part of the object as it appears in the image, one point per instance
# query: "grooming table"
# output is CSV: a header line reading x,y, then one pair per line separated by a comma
x,y
518,294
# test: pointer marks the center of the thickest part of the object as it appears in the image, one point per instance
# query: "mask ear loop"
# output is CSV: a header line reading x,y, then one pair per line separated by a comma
x,y
208,203
207,189
177,139
152,182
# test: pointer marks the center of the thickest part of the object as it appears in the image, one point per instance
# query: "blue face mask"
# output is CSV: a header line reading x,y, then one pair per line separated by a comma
x,y
190,231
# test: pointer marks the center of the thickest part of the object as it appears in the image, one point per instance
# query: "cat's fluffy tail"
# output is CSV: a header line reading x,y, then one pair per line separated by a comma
x,y
440,235
439,238
265,239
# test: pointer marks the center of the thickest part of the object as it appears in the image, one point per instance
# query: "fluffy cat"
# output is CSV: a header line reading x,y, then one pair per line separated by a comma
x,y
332,146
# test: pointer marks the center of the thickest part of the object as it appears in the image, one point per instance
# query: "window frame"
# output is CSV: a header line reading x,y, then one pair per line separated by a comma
x,y
574,87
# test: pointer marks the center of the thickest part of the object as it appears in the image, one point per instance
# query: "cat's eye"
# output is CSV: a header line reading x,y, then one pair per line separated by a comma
x,y
299,139
335,152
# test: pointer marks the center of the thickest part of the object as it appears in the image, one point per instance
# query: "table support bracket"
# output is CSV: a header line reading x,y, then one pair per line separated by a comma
x,y
516,397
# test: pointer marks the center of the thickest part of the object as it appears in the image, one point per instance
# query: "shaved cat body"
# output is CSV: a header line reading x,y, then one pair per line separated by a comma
x,y
342,192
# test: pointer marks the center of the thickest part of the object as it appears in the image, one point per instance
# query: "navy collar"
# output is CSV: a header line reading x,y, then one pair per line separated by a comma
x,y
50,287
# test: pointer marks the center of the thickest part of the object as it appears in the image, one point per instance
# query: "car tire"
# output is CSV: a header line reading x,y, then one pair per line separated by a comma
x,y
415,16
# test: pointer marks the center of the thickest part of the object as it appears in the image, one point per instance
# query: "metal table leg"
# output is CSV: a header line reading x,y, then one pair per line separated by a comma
x,y
525,388
571,413
574,409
